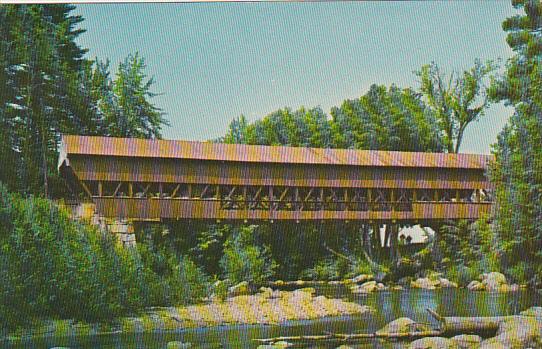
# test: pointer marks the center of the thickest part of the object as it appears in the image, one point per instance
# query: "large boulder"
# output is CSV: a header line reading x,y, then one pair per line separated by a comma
x,y
425,283
359,279
495,282
533,311
518,332
445,283
467,341
434,343
402,325
368,287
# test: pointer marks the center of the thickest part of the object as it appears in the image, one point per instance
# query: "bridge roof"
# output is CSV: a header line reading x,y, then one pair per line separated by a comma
x,y
176,149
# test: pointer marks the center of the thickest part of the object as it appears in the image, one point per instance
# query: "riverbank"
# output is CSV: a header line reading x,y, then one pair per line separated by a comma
x,y
268,307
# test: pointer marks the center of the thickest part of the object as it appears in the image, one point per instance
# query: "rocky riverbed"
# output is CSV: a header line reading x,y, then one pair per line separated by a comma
x,y
265,307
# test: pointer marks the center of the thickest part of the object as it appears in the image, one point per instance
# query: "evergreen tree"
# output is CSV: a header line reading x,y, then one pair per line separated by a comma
x,y
517,171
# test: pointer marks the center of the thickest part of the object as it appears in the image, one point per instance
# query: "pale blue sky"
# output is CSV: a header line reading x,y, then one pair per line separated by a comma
x,y
215,61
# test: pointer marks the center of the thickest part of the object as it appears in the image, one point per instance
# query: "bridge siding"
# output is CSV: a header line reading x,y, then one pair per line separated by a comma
x,y
225,173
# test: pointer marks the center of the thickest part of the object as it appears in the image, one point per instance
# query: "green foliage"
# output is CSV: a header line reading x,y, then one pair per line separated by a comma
x,y
50,263
49,88
244,259
463,242
462,274
456,101
386,119
517,171
327,269
189,282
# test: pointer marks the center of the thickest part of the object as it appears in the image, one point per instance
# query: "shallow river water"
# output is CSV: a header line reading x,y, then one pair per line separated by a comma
x,y
389,305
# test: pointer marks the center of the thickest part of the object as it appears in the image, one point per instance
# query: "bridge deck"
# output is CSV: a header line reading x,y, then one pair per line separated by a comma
x,y
156,179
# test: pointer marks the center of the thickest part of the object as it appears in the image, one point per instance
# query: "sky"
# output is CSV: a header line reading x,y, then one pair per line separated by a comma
x,y
212,62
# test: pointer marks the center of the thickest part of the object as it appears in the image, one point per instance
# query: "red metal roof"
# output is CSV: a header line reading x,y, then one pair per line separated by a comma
x,y
175,149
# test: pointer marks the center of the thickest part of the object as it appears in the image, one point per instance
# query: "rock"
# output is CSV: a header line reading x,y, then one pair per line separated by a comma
x,y
402,325
476,286
467,341
241,289
445,283
424,283
516,333
397,288
279,283
300,282
368,287
434,343
359,279
533,311
494,281
337,282
266,292
178,345
309,290
514,288
380,286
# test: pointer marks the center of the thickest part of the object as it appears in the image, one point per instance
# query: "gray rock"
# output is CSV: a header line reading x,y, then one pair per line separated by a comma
x,y
361,278
467,341
476,286
434,343
402,325
494,281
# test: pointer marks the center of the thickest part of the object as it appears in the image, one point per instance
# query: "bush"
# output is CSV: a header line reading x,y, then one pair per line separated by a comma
x,y
327,269
188,282
50,263
520,273
462,274
244,260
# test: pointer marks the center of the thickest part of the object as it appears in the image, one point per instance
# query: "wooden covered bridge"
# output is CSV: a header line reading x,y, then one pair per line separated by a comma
x,y
149,180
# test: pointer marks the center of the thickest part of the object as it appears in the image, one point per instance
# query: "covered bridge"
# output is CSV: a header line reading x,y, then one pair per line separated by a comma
x,y
140,180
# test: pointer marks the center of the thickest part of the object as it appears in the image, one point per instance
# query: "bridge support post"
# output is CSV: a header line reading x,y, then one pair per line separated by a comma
x,y
123,231
394,242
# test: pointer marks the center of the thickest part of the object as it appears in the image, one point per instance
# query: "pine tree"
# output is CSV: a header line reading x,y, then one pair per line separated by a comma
x,y
517,171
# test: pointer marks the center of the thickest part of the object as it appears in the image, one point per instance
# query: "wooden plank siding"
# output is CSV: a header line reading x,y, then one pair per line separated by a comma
x,y
152,180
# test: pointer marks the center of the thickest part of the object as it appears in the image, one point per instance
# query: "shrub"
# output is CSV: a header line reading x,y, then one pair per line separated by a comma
x,y
188,282
327,269
244,260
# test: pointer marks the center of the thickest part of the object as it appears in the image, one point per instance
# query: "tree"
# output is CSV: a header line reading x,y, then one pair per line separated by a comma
x,y
38,55
50,88
517,171
386,119
128,111
456,101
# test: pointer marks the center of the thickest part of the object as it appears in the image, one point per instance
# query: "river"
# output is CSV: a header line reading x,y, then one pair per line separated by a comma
x,y
389,305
